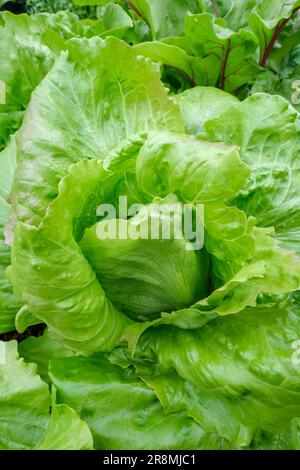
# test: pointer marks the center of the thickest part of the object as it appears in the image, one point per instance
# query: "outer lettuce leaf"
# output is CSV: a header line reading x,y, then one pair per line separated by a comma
x,y
121,411
289,439
25,402
235,375
280,267
272,269
9,305
8,163
40,350
266,129
66,431
100,80
25,60
272,193
200,104
50,272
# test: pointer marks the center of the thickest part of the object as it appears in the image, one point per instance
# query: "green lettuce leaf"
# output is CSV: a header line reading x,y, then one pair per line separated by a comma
x,y
121,411
24,62
235,375
111,21
29,46
25,407
24,401
200,104
9,305
65,431
235,13
50,272
99,80
200,172
266,130
10,122
164,18
24,59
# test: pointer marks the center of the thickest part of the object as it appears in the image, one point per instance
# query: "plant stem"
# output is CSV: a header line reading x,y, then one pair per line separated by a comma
x,y
224,65
187,76
275,36
36,330
214,7
134,8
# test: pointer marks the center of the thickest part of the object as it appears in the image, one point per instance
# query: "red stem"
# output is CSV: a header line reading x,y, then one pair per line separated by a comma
x,y
214,7
134,8
187,76
224,65
275,36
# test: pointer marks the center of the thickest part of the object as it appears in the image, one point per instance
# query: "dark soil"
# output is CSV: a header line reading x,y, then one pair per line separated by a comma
x,y
36,330
15,7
